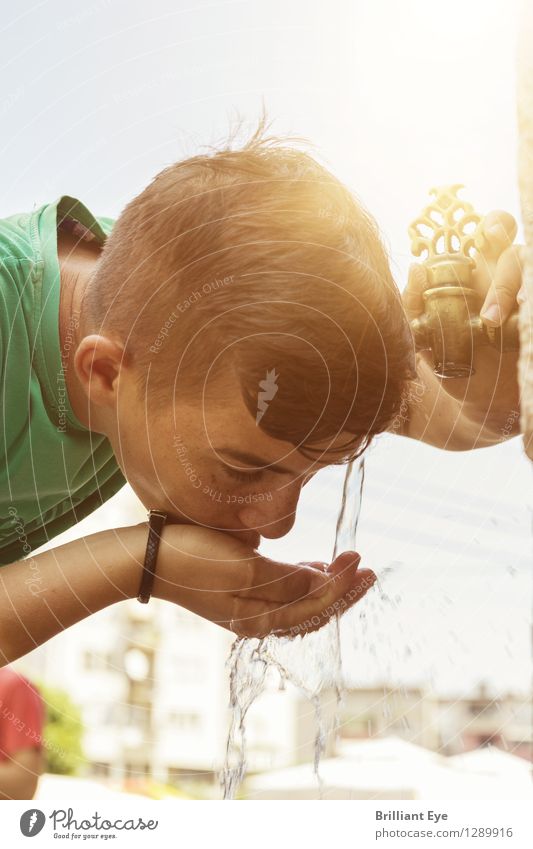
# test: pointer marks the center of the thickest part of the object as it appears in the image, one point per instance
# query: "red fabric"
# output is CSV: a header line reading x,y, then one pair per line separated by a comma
x,y
21,714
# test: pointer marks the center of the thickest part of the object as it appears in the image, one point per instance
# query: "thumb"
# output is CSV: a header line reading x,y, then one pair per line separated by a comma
x,y
501,297
347,562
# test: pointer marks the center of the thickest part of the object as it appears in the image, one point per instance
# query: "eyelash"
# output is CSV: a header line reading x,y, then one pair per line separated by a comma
x,y
245,477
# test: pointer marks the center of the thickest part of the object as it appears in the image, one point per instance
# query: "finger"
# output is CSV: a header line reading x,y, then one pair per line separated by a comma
x,y
501,299
345,584
495,233
343,563
284,582
412,295
321,565
254,618
314,618
493,237
365,581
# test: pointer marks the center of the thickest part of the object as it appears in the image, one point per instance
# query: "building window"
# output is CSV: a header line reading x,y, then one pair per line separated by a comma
x,y
93,660
138,715
186,721
100,769
140,770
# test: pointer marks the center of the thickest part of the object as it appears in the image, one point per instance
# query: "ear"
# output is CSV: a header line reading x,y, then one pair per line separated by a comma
x,y
98,362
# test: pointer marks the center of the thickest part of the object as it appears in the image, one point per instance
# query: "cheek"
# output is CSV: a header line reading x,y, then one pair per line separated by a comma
x,y
190,481
225,494
223,497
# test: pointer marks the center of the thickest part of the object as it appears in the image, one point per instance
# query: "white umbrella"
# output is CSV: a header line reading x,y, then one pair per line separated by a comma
x,y
388,768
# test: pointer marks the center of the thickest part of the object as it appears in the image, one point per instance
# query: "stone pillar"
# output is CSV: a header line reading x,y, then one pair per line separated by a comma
x,y
525,178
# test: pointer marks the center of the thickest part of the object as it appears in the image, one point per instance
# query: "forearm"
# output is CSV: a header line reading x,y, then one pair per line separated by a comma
x,y
13,784
434,416
67,584
16,783
19,775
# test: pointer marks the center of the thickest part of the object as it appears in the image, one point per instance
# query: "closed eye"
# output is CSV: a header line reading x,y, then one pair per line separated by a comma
x,y
245,477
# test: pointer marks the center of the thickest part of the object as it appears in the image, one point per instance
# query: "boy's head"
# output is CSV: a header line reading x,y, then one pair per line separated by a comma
x,y
251,308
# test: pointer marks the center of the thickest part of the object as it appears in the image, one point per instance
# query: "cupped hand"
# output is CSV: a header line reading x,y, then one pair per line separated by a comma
x,y
222,579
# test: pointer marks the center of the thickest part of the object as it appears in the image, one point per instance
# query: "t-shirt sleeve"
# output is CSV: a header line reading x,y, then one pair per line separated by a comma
x,y
21,720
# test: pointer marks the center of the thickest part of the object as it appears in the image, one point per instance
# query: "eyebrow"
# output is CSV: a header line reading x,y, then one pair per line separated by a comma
x,y
252,460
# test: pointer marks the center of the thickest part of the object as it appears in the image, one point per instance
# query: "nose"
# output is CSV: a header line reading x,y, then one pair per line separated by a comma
x,y
273,518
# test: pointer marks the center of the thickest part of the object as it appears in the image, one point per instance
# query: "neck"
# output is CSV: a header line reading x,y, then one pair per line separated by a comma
x,y
77,263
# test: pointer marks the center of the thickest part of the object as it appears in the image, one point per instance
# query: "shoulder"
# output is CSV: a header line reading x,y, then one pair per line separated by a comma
x,y
16,241
106,223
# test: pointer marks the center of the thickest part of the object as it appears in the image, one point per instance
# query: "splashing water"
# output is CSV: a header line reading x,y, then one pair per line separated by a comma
x,y
313,664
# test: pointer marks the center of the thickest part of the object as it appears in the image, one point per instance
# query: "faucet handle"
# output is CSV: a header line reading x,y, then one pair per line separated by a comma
x,y
444,235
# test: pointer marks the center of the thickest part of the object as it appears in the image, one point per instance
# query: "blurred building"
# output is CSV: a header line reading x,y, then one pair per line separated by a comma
x,y
152,684
449,725
469,723
391,768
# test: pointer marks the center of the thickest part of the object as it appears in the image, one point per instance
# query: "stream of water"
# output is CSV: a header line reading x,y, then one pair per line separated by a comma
x,y
312,663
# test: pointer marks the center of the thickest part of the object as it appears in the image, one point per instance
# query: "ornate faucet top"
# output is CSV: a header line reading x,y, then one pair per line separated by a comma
x,y
445,229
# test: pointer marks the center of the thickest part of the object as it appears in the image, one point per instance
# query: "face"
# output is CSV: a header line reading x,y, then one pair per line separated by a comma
x,y
206,462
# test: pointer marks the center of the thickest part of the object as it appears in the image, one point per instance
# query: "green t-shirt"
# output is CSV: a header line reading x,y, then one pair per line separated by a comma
x,y
53,470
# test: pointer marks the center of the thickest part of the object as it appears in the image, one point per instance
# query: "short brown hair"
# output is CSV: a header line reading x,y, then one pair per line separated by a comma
x,y
259,259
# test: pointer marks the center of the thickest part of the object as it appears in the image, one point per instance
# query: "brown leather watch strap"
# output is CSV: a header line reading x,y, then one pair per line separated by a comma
x,y
156,522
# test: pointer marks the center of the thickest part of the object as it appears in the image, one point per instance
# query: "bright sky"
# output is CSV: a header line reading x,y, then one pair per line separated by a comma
x,y
396,98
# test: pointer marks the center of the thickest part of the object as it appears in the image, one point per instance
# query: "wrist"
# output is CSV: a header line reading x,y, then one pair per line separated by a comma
x,y
156,523
121,554
186,557
176,549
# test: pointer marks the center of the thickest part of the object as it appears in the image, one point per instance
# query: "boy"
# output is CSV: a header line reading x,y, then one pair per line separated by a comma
x,y
235,331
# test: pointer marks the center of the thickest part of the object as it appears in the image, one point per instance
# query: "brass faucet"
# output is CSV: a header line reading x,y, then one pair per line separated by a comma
x,y
445,234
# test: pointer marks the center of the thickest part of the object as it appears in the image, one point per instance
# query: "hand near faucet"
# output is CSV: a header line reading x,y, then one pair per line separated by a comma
x,y
483,409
